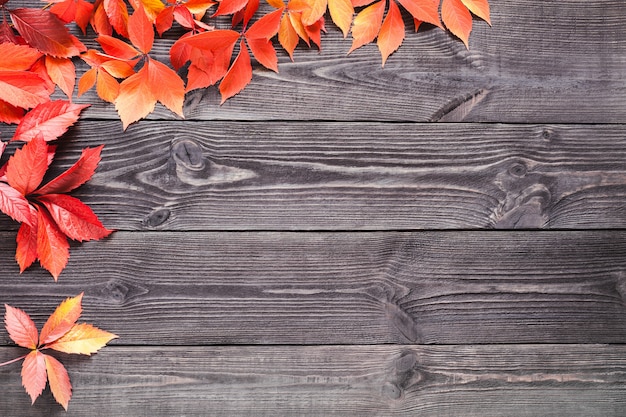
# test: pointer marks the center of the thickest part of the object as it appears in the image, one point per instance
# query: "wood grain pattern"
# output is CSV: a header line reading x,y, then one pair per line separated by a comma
x,y
541,62
485,381
346,176
339,288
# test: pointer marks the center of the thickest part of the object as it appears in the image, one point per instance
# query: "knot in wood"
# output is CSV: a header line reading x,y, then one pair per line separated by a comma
x,y
188,153
157,217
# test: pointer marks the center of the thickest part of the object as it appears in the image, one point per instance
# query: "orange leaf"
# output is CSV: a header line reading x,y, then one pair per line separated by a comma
x,y
208,67
15,205
238,76
341,12
136,99
266,27
34,374
76,175
212,41
167,87
457,19
75,219
17,57
151,7
480,8
116,47
287,36
117,68
99,19
62,320
164,20
21,328
423,10
23,89
86,81
28,165
50,120
314,12
44,31
198,6
141,31
52,247
62,73
59,381
107,87
391,32
367,25
229,7
117,12
26,252
83,339
263,50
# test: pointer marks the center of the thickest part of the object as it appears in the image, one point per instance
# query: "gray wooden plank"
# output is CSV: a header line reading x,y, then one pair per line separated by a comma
x,y
519,380
541,62
345,176
339,288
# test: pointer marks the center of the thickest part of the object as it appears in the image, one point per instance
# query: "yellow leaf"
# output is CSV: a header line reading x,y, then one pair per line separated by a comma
x,y
83,339
62,320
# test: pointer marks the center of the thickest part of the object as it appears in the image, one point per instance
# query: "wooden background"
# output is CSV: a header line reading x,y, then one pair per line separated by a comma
x,y
318,247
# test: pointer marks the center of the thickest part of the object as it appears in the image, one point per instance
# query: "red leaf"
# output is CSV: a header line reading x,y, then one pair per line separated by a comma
x,y
391,32
117,48
64,10
34,374
238,76
480,8
74,218
117,14
263,50
62,320
62,73
44,31
59,381
164,20
50,120
52,247
9,113
167,87
208,67
367,25
266,27
21,328
99,19
23,89
17,57
184,17
424,10
229,7
27,166
212,41
141,31
135,100
457,19
26,252
76,175
84,10
15,205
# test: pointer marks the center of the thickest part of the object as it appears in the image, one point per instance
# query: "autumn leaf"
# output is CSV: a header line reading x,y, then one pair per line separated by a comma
x,y
457,19
62,73
50,120
23,89
391,32
27,166
367,24
17,57
238,76
480,8
141,31
117,13
423,10
60,333
76,175
75,219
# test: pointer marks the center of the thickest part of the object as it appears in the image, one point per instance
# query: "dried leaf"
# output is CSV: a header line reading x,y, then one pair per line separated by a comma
x,y
83,339
59,381
21,328
62,320
34,374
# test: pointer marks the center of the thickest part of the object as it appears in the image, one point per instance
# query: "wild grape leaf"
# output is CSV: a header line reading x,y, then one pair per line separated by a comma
x,y
135,99
74,218
23,89
151,7
26,252
258,38
391,32
62,73
21,328
15,205
423,10
17,57
59,381
480,8
226,7
53,250
44,31
83,339
367,24
117,14
34,374
78,11
141,31
457,19
238,76
9,113
50,120
27,167
100,20
64,335
76,175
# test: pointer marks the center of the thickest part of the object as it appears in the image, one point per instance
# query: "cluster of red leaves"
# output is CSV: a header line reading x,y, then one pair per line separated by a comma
x,y
125,74
60,333
47,215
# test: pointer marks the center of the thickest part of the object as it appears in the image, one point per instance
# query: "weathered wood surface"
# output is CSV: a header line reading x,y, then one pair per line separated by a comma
x,y
347,176
438,381
542,62
341,288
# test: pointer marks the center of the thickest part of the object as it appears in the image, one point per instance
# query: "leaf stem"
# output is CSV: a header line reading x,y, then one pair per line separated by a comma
x,y
13,360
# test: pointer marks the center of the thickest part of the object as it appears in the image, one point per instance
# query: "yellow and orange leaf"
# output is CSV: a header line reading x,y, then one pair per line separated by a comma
x,y
480,8
59,381
287,35
423,10
457,19
34,374
314,12
341,13
391,32
135,99
62,320
83,339
367,24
